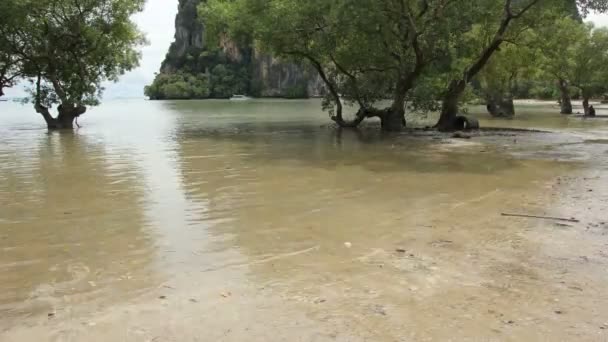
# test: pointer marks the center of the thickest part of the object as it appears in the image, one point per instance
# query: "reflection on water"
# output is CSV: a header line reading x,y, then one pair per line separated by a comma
x,y
71,222
386,237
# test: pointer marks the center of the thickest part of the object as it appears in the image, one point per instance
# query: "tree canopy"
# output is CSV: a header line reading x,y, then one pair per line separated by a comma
x,y
66,49
368,51
585,63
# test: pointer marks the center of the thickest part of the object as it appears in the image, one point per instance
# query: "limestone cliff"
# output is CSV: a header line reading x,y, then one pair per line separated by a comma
x,y
189,34
192,69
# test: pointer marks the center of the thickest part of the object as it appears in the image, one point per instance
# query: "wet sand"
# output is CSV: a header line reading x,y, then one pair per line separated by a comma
x,y
304,235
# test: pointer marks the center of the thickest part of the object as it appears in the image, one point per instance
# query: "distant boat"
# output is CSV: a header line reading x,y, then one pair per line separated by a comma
x,y
240,98
3,100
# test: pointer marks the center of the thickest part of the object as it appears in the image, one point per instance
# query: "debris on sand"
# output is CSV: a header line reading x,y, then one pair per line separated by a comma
x,y
460,135
573,220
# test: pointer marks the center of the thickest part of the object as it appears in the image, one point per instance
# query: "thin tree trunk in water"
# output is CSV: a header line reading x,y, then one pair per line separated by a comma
x,y
337,118
566,102
586,105
499,106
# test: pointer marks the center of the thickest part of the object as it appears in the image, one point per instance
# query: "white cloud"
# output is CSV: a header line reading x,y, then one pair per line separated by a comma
x,y
598,19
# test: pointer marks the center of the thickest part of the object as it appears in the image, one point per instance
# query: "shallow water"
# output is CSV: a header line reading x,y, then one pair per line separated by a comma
x,y
187,221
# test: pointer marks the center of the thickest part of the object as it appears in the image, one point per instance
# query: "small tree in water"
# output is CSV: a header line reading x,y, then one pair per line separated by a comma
x,y
67,48
589,68
498,81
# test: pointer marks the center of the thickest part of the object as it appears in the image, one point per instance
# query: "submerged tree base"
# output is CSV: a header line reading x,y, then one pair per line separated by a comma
x,y
390,120
66,117
458,123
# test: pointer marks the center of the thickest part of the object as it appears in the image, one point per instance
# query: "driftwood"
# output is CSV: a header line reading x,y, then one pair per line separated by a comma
x,y
542,217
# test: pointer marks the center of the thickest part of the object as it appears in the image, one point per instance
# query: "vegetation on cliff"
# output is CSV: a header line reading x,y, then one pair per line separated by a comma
x,y
200,74
199,66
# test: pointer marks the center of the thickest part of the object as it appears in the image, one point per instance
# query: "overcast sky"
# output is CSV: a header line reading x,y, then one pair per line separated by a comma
x,y
157,21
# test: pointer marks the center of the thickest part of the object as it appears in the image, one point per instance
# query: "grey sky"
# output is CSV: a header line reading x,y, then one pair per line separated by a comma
x,y
157,21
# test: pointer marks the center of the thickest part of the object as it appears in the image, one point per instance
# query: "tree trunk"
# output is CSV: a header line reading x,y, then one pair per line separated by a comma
x,y
65,118
449,106
501,107
393,118
565,102
392,121
586,104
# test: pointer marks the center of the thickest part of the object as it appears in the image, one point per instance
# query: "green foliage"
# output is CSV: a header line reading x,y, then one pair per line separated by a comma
x,y
410,50
364,49
297,91
511,65
576,53
223,81
227,80
72,46
590,70
10,62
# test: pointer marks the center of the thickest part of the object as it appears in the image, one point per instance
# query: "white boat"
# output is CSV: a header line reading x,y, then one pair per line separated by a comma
x,y
240,98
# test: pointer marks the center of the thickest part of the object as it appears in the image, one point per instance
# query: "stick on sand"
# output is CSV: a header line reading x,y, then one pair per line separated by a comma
x,y
543,217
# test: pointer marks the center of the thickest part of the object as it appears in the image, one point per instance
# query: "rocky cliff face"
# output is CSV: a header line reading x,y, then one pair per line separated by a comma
x,y
224,69
189,34
275,78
